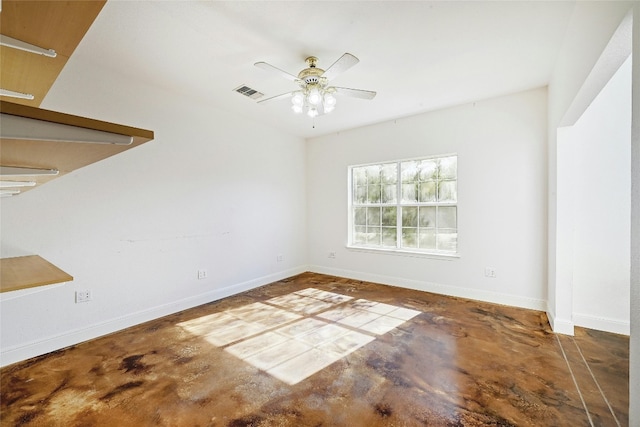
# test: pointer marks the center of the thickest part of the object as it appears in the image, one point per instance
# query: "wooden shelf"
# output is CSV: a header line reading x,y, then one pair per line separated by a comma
x,y
62,156
29,272
57,25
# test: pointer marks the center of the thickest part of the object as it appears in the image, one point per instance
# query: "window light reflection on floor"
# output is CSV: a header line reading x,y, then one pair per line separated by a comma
x,y
293,336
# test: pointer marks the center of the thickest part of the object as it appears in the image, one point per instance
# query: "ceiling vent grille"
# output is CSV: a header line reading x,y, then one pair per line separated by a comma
x,y
249,92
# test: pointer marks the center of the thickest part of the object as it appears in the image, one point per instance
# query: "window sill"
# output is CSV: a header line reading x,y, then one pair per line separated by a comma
x,y
405,253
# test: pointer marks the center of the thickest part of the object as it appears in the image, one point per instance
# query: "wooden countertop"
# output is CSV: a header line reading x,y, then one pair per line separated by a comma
x,y
28,272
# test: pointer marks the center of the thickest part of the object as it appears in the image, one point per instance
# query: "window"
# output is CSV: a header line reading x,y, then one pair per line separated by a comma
x,y
408,205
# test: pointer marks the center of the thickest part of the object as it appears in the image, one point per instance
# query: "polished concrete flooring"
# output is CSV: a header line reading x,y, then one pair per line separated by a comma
x,y
316,350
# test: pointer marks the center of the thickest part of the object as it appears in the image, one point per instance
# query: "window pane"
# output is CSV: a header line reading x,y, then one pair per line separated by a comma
x,y
373,236
410,217
447,217
361,194
373,193
428,170
359,176
409,237
360,235
390,173
428,217
389,193
409,171
427,192
449,167
373,216
360,216
373,174
389,216
427,239
389,237
419,196
447,191
447,240
409,193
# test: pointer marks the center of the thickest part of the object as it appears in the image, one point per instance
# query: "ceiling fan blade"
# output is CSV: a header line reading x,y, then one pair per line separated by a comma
x,y
275,98
355,93
343,63
270,67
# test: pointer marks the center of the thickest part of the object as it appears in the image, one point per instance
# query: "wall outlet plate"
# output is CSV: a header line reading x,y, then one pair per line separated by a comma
x,y
202,274
83,296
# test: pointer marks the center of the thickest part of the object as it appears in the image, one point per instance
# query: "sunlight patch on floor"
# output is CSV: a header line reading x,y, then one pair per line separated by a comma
x,y
293,336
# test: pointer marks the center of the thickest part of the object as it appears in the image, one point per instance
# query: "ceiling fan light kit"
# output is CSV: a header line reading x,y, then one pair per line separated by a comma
x,y
315,96
312,100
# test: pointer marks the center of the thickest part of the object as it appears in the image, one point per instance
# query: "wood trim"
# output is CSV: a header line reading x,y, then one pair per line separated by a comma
x,y
28,272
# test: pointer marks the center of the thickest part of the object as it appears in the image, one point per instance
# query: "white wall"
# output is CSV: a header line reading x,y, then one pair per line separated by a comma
x,y
602,208
586,47
501,147
211,191
577,78
634,342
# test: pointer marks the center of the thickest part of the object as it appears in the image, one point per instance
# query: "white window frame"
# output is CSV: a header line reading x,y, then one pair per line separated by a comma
x,y
398,249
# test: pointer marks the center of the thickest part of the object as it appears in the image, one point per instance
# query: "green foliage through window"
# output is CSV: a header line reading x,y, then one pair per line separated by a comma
x,y
408,205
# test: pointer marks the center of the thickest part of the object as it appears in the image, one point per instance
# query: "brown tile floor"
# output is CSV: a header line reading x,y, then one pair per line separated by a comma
x,y
317,350
599,363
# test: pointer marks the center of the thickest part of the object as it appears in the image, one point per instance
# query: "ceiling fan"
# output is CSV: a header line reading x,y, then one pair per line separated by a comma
x,y
315,96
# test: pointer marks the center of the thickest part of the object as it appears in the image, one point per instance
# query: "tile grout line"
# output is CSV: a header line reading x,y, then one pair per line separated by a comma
x,y
575,382
596,381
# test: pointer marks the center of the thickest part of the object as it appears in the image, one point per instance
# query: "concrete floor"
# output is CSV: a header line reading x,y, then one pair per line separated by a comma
x,y
316,350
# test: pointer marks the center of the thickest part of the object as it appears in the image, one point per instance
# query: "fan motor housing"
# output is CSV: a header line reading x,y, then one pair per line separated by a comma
x,y
311,75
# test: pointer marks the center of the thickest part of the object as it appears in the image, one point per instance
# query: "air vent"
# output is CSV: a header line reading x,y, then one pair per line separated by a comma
x,y
247,91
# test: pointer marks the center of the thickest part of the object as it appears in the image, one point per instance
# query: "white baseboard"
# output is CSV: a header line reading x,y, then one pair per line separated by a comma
x,y
602,324
52,343
45,345
560,326
437,288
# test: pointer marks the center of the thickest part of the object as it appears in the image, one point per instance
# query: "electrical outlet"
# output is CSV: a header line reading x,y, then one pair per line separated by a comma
x,y
202,274
280,258
83,296
332,254
490,272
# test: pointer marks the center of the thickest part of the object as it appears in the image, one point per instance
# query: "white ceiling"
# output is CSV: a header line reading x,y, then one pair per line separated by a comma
x,y
419,56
